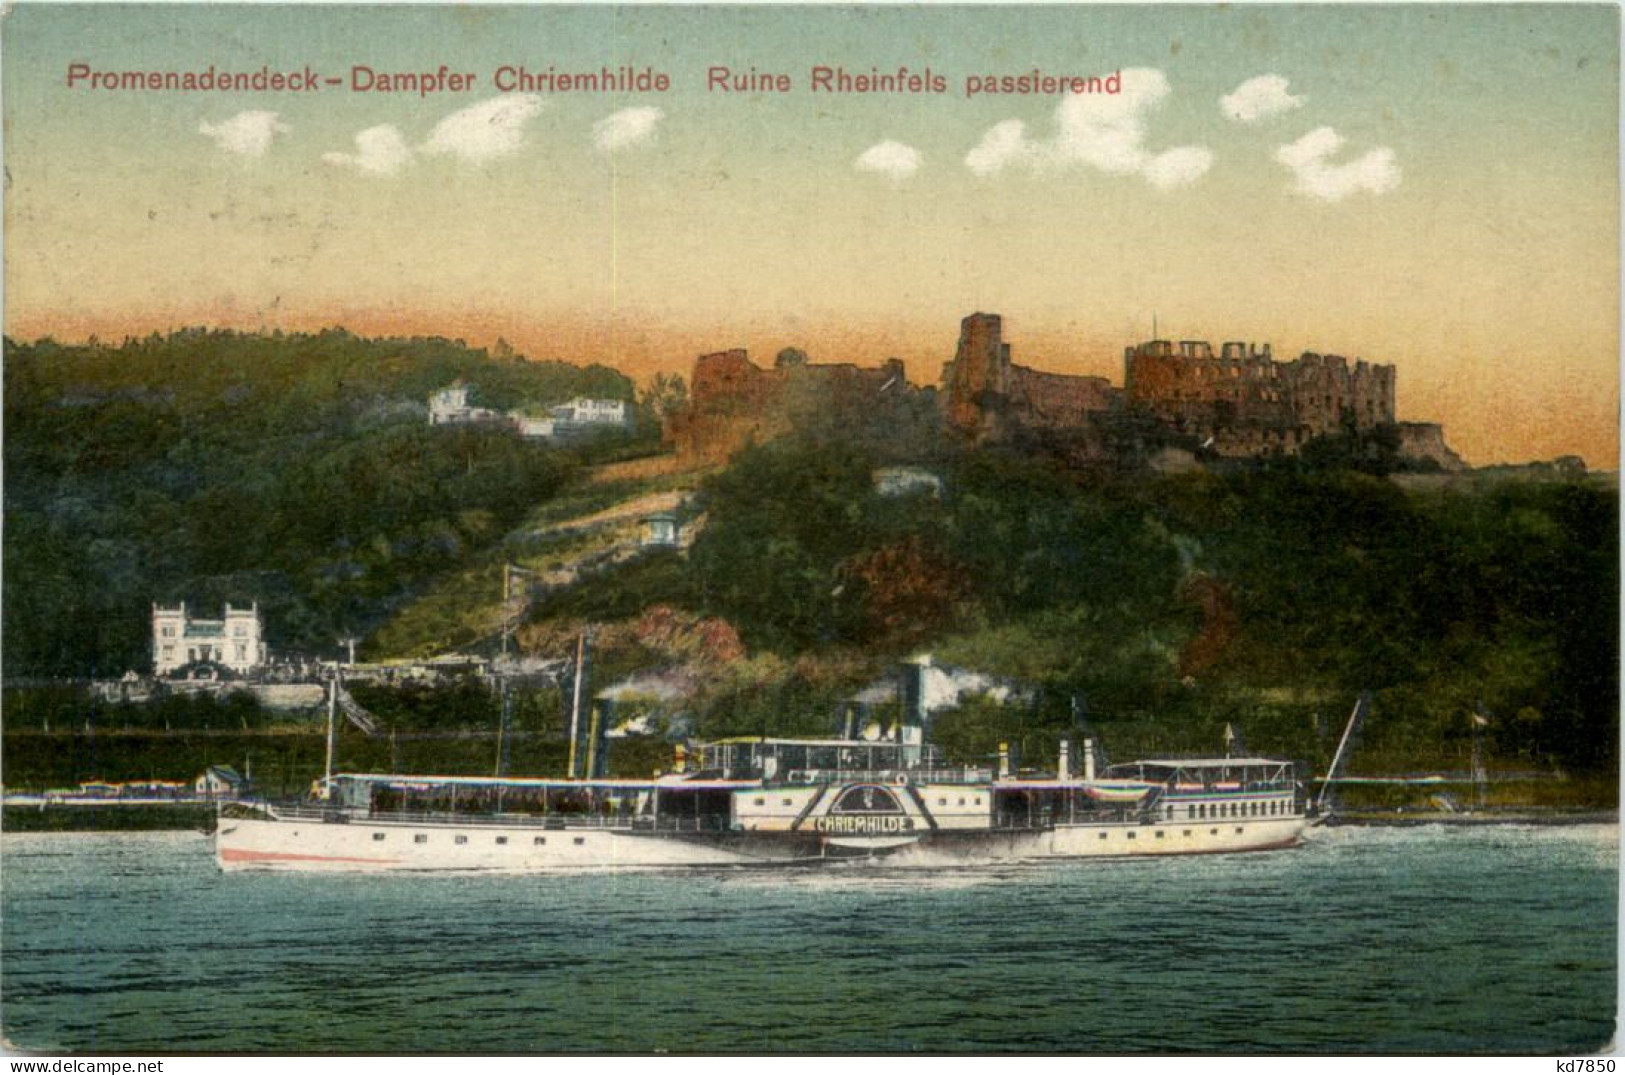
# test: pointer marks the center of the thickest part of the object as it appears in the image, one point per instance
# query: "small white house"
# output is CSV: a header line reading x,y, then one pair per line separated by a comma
x,y
450,406
903,481
662,530
536,428
584,411
220,782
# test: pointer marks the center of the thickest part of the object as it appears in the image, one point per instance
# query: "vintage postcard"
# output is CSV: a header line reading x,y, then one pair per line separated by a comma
x,y
823,529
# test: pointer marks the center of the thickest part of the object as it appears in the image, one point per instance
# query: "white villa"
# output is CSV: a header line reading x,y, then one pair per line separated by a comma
x,y
235,641
450,406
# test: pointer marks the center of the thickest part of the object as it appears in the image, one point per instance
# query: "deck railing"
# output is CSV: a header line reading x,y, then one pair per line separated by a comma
x,y
643,823
888,776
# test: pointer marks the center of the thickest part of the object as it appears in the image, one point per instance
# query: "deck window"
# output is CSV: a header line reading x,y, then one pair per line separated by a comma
x,y
760,802
1131,836
1238,830
378,836
1187,832
1159,834
1102,836
582,839
786,802
502,839
460,840
539,841
421,838
942,801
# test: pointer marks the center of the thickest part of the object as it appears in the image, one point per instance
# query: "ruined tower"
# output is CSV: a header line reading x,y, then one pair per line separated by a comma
x,y
978,379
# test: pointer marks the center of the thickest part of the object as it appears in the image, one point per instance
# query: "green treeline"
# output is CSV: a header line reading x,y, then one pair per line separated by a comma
x,y
298,470
1164,606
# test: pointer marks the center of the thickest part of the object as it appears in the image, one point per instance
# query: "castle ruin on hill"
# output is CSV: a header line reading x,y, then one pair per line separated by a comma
x,y
1237,403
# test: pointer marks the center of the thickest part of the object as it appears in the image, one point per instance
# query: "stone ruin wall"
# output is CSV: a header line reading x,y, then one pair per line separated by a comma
x,y
1425,440
1240,401
985,393
1244,388
734,402
1055,401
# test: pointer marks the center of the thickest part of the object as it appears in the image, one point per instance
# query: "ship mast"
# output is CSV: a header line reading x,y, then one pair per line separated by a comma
x,y
577,689
1339,759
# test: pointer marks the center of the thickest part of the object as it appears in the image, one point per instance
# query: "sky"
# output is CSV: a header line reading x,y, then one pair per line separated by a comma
x,y
1434,187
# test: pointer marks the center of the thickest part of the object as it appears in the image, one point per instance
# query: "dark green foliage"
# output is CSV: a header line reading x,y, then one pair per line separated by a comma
x,y
1305,587
296,470
782,518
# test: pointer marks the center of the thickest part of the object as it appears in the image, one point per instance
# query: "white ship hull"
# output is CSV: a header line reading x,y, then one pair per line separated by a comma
x,y
1168,838
385,845
266,844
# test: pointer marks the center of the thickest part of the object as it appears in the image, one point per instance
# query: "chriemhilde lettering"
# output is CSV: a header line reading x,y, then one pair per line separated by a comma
x,y
627,78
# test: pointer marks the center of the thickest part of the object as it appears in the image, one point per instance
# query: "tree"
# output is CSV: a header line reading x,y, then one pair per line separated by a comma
x,y
907,590
665,393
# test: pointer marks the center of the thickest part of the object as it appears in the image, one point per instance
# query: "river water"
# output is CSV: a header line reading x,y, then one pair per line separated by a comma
x,y
1430,939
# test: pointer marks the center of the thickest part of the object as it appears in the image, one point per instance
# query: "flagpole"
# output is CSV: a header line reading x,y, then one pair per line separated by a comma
x,y
332,727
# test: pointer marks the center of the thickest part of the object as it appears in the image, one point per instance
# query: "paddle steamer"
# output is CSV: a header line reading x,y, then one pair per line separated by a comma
x,y
773,802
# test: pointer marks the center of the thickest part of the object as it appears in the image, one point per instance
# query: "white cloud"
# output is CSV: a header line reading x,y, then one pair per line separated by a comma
x,y
1375,173
891,159
485,131
1004,143
1259,98
248,134
1177,167
627,127
1096,130
378,151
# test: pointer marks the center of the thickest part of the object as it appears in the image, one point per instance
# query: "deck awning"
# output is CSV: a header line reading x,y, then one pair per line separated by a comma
x,y
423,783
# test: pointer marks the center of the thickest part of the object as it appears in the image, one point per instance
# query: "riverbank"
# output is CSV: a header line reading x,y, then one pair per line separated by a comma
x,y
1402,818
107,817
